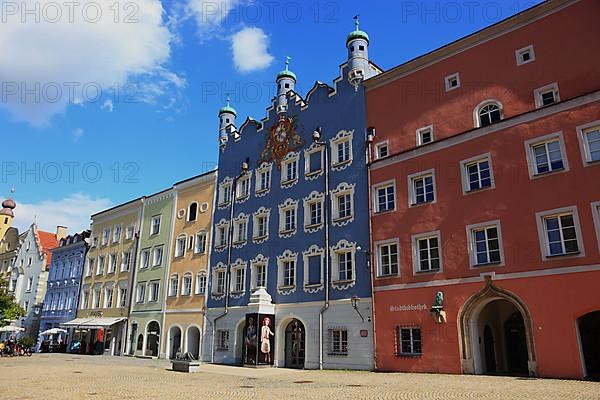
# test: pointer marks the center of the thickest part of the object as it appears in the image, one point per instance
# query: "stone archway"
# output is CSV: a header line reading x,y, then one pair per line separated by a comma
x,y
152,339
175,341
193,341
588,327
472,321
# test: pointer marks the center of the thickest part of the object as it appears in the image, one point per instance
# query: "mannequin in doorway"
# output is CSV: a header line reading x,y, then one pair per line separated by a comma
x,y
265,344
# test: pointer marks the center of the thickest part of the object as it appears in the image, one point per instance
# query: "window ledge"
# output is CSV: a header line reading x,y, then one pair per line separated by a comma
x,y
489,264
289,182
342,282
572,253
286,287
313,226
288,231
409,355
384,212
425,203
538,175
388,276
341,219
313,173
261,191
239,242
337,354
483,189
342,163
428,272
312,285
259,237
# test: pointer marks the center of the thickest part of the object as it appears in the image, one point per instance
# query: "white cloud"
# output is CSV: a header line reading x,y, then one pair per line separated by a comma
x,y
48,57
73,211
108,105
77,134
209,14
250,50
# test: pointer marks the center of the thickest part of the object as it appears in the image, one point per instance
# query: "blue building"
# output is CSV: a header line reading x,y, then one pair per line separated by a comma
x,y
64,280
290,281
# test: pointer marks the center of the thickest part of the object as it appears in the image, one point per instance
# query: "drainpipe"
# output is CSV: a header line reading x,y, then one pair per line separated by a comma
x,y
370,135
229,248
317,137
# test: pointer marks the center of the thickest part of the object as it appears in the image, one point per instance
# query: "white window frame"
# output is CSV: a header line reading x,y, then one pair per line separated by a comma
x,y
540,218
174,285
145,258
419,135
286,256
412,195
240,226
531,164
129,232
220,241
240,196
522,50
97,298
537,94
201,282
313,251
185,289
342,189
90,267
155,251
308,152
264,168
485,103
378,264
412,340
239,266
336,334
122,297
105,237
341,136
471,246
217,294
222,340
375,196
313,198
450,77
125,265
112,263
153,296
109,293
465,173
596,217
584,145
153,231
291,158
255,263
378,146
416,257
188,216
261,212
116,236
227,182
288,204
100,265
201,237
342,246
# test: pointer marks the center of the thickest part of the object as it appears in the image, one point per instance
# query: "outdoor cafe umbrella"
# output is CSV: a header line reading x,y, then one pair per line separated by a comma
x,y
10,328
53,331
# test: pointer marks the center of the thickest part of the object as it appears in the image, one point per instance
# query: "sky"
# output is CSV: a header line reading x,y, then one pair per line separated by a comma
x,y
104,101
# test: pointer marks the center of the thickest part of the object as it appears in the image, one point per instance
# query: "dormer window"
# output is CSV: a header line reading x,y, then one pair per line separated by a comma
x,y
546,95
452,82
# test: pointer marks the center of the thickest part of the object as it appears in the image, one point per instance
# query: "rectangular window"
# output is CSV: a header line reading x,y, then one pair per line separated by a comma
x,y
388,259
100,269
338,342
382,150
157,254
424,135
314,269
314,162
145,262
478,174
427,254
90,267
486,245
241,231
344,206
264,180
409,341
561,235
186,286
122,297
289,220
129,232
239,280
225,194
590,137
173,285
291,171
200,243
525,55
261,276
86,300
546,154
200,284
96,298
223,340
125,260
343,151
222,233
155,225
452,82
385,198
154,292
261,226
546,95
105,236
29,284
108,297
140,294
289,273
180,246
243,187
422,189
220,283
112,263
117,233
344,260
316,213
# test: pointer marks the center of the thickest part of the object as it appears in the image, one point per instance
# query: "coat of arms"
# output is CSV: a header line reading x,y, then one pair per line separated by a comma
x,y
282,138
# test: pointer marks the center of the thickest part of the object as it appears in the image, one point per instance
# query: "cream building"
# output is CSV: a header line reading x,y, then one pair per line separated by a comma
x,y
190,254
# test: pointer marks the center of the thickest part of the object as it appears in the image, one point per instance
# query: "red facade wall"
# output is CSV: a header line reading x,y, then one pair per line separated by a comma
x,y
489,70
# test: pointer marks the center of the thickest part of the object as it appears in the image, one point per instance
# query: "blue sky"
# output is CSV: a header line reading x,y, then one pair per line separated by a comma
x,y
72,154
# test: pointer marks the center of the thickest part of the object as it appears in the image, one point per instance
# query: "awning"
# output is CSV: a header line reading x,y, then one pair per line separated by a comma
x,y
93,323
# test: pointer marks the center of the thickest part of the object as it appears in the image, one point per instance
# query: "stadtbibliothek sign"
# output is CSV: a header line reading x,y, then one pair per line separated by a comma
x,y
408,307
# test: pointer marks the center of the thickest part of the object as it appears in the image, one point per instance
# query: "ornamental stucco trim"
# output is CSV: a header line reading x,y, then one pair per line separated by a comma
x,y
313,197
238,264
261,212
313,148
290,157
341,136
227,181
313,250
246,175
223,223
264,167
220,267
342,245
286,205
240,218
342,188
287,255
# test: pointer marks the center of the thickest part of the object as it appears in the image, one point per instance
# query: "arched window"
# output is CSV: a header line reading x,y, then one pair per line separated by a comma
x,y
488,113
193,211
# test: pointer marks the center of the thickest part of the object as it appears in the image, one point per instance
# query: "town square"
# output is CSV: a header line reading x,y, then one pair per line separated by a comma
x,y
244,198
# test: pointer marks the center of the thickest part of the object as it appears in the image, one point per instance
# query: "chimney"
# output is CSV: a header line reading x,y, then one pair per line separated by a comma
x,y
61,232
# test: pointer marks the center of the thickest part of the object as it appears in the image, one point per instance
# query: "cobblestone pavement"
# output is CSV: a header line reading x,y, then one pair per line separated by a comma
x,y
65,377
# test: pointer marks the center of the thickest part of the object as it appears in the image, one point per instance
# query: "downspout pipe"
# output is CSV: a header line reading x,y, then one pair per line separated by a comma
x,y
370,136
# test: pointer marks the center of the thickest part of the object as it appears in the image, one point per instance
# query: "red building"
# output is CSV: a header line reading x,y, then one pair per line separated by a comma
x,y
485,185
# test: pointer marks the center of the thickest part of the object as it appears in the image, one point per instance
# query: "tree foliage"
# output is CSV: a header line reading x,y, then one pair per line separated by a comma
x,y
9,309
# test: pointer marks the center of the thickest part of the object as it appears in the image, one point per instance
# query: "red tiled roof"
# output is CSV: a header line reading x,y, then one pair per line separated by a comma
x,y
47,241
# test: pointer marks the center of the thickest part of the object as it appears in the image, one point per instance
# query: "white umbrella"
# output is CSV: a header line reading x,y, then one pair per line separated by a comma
x,y
10,328
53,331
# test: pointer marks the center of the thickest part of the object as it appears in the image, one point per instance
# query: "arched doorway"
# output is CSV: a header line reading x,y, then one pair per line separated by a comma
x,y
193,341
152,339
240,331
174,341
295,344
496,334
140,343
589,335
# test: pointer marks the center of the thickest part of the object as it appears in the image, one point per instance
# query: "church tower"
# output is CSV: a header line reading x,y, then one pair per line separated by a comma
x,y
286,81
227,115
6,214
357,43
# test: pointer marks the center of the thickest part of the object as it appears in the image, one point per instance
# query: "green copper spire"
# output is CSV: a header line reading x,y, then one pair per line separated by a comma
x,y
286,72
357,33
228,109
